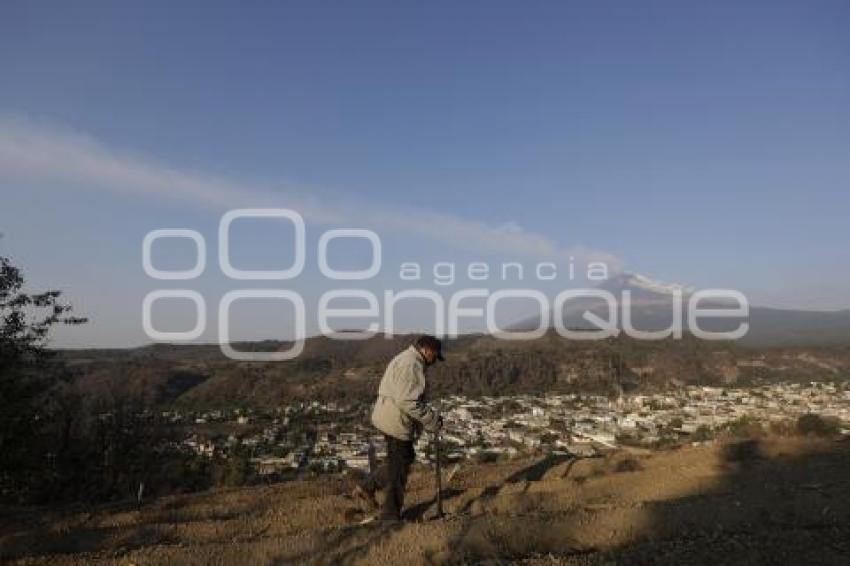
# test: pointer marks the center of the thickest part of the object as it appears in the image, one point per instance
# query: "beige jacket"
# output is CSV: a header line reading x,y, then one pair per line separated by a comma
x,y
402,408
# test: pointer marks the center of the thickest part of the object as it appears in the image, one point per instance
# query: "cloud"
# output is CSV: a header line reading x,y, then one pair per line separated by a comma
x,y
44,154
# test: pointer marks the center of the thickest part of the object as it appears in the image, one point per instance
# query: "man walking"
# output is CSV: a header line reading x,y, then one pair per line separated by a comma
x,y
400,413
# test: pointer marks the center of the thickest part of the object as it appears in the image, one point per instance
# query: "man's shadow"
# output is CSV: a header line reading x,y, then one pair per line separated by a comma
x,y
533,472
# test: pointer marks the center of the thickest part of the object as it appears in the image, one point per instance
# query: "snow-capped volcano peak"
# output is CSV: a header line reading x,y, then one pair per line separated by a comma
x,y
638,280
626,280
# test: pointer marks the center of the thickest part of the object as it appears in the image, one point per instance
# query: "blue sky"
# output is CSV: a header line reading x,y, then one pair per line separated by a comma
x,y
700,142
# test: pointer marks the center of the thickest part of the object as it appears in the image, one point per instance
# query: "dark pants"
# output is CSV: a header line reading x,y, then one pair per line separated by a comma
x,y
392,476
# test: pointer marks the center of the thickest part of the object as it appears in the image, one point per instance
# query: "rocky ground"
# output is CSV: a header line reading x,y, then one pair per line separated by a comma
x,y
751,502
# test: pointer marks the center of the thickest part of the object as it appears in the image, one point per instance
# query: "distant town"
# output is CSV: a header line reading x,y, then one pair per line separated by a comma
x,y
308,438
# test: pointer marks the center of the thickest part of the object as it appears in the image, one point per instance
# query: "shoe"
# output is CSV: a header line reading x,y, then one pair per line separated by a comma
x,y
381,521
366,496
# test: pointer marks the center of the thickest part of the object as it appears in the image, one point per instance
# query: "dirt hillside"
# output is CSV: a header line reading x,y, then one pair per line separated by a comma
x,y
768,501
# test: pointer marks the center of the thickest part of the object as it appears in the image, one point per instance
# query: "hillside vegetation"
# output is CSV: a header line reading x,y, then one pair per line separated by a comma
x,y
476,365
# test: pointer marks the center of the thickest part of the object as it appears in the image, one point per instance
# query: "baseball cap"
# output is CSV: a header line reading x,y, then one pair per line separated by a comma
x,y
428,341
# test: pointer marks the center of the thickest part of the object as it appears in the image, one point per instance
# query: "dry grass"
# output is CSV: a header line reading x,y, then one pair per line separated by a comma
x,y
771,500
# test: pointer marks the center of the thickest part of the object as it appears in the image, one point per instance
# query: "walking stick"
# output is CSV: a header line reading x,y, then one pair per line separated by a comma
x,y
439,471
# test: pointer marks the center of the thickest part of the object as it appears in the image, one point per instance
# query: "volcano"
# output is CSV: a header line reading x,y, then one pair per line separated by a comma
x,y
652,308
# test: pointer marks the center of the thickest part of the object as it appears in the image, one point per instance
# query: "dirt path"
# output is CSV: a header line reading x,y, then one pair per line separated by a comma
x,y
759,502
